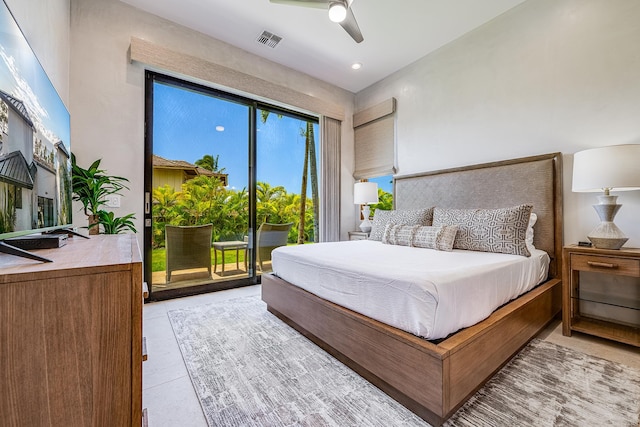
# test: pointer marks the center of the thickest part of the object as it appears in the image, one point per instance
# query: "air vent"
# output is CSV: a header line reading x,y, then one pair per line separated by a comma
x,y
269,39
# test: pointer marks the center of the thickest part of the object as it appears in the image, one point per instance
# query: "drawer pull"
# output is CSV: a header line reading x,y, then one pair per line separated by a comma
x,y
602,264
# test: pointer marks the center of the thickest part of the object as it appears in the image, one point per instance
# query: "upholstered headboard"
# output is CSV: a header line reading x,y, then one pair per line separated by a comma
x,y
531,180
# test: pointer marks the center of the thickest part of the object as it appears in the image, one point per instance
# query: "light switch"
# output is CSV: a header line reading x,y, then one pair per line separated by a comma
x,y
113,201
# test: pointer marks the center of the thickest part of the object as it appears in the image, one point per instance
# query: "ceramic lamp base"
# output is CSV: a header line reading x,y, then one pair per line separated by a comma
x,y
365,226
607,235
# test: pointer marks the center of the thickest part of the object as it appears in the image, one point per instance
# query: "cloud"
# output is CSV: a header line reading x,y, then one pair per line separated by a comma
x,y
23,91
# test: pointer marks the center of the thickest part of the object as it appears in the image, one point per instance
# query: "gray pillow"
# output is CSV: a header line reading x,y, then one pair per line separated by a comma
x,y
440,238
398,217
420,236
488,230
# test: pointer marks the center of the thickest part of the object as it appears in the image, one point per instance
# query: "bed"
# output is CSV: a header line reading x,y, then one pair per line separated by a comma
x,y
434,378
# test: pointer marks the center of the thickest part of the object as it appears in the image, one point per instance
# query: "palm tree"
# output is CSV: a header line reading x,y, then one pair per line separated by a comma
x,y
235,213
303,194
165,199
309,169
209,163
313,171
266,201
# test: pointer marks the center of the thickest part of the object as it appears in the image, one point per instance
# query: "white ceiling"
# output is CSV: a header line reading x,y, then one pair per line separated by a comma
x,y
396,32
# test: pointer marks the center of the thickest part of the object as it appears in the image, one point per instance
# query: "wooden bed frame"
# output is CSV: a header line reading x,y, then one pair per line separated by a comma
x,y
434,379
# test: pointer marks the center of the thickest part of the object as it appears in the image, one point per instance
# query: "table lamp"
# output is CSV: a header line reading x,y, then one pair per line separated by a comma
x,y
365,193
606,169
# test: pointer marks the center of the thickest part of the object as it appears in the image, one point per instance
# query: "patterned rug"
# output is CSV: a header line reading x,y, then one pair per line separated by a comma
x,y
251,369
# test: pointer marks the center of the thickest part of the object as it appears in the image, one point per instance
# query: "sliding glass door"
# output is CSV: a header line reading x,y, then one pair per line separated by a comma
x,y
227,179
288,195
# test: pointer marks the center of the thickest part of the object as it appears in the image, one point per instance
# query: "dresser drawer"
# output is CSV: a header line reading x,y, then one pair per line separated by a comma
x,y
604,264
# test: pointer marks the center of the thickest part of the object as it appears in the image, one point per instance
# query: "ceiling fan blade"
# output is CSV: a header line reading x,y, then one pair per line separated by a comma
x,y
319,4
351,26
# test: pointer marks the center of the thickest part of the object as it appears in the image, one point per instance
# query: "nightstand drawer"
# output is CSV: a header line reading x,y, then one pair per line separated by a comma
x,y
358,235
604,264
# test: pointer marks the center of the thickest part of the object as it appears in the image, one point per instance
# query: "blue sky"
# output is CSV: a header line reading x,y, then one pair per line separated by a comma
x,y
185,125
384,182
22,76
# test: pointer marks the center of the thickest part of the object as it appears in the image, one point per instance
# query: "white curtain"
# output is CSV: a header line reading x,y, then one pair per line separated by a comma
x,y
330,188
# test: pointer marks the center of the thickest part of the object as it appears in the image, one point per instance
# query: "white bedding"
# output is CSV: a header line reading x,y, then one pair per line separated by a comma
x,y
425,292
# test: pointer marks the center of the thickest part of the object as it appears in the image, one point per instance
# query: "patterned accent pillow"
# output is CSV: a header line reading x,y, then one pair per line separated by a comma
x,y
488,230
401,235
431,237
398,217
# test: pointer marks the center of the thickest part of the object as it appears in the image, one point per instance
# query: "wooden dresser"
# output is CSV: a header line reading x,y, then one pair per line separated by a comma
x,y
71,335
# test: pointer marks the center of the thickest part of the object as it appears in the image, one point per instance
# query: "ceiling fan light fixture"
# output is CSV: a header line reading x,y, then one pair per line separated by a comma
x,y
337,11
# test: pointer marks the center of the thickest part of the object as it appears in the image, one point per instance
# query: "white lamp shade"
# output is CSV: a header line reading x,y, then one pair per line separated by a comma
x,y
365,193
616,167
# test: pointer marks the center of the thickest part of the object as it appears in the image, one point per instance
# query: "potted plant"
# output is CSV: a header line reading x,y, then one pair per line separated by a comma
x,y
91,187
112,224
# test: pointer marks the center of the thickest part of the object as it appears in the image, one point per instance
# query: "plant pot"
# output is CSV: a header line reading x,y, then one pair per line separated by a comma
x,y
93,219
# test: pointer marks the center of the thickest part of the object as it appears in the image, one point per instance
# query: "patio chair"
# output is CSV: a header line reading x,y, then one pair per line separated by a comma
x,y
269,237
188,247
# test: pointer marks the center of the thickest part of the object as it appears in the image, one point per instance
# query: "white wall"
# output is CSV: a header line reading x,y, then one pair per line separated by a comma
x,y
45,24
107,92
547,76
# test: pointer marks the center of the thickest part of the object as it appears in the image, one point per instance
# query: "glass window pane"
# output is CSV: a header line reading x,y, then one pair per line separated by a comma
x,y
287,174
200,180
385,193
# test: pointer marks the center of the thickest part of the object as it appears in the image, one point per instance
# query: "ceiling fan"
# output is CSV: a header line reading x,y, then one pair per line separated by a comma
x,y
339,11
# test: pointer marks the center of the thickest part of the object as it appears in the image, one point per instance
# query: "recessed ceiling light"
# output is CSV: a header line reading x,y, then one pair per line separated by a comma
x,y
356,66
220,128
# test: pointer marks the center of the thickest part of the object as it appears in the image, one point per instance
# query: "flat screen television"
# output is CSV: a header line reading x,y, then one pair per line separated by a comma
x,y
35,152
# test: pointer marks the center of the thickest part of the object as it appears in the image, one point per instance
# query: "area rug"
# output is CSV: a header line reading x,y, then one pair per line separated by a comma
x,y
250,369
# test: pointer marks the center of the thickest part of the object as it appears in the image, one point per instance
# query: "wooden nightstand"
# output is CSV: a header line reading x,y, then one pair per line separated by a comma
x,y
601,293
358,235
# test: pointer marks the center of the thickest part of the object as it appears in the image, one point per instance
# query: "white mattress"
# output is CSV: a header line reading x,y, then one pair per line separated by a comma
x,y
425,292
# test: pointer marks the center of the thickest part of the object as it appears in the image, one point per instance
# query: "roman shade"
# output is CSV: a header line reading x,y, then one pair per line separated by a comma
x,y
374,130
182,64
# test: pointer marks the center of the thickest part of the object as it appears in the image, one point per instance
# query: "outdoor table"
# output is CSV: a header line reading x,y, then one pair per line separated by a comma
x,y
225,246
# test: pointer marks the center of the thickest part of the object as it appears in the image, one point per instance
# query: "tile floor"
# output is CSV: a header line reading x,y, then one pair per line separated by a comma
x,y
169,396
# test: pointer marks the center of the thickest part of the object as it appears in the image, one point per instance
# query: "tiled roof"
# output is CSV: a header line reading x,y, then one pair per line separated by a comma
x,y
17,106
206,172
191,169
60,146
14,170
161,162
